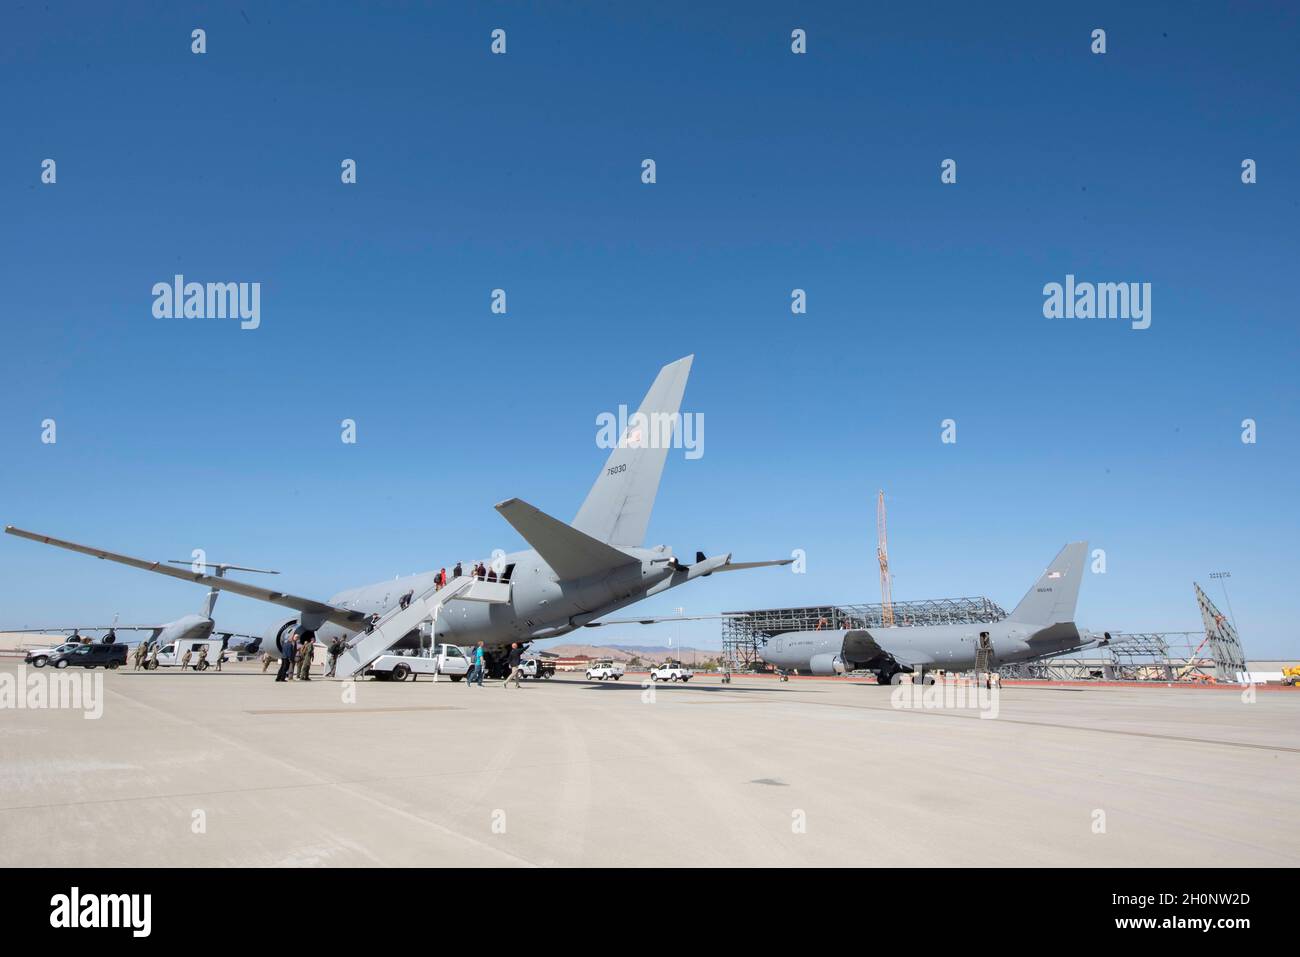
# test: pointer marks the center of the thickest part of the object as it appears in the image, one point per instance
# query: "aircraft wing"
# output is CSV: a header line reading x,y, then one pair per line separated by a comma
x,y
340,616
53,628
862,645
650,621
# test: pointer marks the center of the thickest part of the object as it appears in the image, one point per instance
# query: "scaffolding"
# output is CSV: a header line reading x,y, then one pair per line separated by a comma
x,y
1226,651
1134,656
1215,654
745,632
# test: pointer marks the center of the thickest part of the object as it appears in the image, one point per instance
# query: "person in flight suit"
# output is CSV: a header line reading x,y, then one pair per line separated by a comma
x,y
306,648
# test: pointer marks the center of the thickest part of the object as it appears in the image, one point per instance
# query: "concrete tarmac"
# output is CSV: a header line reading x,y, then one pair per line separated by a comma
x,y
233,769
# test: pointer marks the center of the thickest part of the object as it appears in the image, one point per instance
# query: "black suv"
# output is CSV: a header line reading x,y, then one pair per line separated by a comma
x,y
91,656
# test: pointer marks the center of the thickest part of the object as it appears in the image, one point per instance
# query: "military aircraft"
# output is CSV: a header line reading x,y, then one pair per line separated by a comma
x,y
1040,626
573,574
195,627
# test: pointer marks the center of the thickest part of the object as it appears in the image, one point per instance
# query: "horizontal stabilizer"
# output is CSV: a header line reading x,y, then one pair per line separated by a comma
x,y
741,566
569,552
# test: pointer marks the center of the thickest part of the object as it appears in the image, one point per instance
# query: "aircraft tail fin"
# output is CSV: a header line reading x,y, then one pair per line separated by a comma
x,y
571,553
1056,593
617,509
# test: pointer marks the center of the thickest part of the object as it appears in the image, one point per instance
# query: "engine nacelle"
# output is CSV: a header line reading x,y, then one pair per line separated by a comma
x,y
827,665
273,638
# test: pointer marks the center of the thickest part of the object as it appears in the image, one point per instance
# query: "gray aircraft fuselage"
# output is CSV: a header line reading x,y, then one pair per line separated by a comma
x,y
952,647
1040,626
542,605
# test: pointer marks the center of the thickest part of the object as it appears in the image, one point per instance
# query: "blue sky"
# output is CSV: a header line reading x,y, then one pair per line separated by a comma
x,y
775,171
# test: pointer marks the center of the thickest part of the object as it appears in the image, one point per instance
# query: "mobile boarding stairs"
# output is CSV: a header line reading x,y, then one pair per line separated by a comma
x,y
364,648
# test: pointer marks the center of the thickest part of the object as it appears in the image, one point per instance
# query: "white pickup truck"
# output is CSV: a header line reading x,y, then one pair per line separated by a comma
x,y
40,657
670,671
600,670
449,660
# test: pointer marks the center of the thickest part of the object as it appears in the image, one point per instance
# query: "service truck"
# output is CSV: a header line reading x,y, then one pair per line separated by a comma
x,y
603,669
670,671
447,660
537,668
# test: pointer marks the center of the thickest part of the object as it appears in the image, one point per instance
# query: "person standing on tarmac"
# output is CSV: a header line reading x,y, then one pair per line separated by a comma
x,y
512,660
306,651
286,659
185,659
476,672
138,657
203,659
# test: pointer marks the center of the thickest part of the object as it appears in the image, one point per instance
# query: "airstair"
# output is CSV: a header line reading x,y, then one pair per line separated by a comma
x,y
364,648
983,657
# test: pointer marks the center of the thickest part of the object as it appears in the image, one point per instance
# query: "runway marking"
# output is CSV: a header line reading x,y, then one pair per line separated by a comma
x,y
432,707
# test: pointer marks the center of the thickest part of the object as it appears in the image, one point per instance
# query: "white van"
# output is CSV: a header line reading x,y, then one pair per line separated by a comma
x,y
171,654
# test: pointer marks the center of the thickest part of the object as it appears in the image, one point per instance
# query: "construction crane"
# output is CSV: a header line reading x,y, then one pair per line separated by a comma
x,y
882,554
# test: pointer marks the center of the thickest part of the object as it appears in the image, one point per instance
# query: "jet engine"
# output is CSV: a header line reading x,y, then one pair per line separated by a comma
x,y
272,639
827,665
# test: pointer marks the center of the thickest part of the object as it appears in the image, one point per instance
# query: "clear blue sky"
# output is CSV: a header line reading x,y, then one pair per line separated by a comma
x,y
775,171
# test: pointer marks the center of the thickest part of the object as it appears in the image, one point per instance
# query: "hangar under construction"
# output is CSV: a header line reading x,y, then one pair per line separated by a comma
x,y
1214,654
744,632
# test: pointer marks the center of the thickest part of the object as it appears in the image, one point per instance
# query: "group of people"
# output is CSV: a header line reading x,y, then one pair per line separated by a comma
x,y
440,580
145,657
480,571
478,666
298,651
